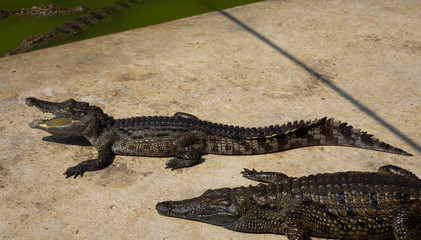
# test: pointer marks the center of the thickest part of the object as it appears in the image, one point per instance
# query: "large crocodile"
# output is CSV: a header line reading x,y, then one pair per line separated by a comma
x,y
186,137
71,28
344,205
41,10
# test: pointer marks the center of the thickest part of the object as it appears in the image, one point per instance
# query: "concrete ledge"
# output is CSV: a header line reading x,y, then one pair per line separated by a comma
x,y
260,64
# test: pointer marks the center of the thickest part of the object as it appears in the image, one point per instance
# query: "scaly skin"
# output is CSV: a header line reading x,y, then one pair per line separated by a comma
x,y
71,28
186,137
343,205
42,10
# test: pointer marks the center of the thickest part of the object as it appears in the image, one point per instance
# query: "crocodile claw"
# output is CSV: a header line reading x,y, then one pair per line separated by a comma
x,y
174,163
177,163
248,172
74,171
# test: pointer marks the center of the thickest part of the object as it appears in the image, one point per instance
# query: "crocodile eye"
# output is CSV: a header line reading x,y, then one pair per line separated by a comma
x,y
209,191
225,203
218,202
68,108
71,101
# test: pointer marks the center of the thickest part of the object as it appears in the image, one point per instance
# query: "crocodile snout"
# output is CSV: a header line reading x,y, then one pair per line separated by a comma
x,y
164,207
30,101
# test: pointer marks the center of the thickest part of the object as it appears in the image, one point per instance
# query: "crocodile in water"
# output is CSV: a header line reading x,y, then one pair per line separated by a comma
x,y
343,205
42,10
71,28
186,137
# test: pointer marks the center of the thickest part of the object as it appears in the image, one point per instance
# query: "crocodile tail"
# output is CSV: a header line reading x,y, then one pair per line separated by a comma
x,y
334,133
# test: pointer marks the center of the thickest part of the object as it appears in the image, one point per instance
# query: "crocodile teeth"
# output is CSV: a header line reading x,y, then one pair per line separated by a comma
x,y
55,121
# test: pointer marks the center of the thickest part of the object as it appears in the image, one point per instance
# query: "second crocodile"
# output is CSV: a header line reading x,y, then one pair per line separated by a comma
x,y
71,28
345,205
41,10
186,137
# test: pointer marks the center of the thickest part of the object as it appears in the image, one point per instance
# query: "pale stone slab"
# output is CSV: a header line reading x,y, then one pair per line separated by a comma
x,y
228,67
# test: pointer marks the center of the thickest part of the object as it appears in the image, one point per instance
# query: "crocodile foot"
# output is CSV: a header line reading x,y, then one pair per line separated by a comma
x,y
74,171
177,163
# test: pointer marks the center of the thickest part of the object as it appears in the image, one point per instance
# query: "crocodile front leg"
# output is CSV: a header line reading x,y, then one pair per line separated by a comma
x,y
405,223
105,158
188,150
293,228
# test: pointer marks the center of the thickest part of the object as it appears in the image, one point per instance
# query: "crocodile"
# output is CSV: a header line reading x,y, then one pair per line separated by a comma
x,y
343,205
186,137
71,28
42,10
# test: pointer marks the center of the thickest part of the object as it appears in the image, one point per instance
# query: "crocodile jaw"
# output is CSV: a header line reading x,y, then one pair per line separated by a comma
x,y
68,120
60,126
211,207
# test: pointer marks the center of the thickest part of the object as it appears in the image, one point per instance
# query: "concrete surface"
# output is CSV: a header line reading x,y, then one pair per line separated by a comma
x,y
357,61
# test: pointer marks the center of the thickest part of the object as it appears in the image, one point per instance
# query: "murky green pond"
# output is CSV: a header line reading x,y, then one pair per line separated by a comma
x,y
143,13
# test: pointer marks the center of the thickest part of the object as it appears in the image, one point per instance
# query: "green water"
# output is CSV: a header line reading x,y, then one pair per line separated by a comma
x,y
144,13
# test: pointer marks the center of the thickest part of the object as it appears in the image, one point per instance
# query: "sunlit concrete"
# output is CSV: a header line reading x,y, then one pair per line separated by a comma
x,y
255,65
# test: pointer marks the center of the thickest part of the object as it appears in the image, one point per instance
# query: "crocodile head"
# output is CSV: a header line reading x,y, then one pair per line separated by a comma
x,y
71,117
213,206
241,209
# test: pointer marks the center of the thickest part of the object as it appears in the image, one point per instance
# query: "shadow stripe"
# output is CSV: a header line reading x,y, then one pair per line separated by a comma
x,y
335,88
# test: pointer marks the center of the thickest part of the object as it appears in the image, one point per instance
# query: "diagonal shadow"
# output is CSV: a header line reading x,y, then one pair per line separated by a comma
x,y
330,84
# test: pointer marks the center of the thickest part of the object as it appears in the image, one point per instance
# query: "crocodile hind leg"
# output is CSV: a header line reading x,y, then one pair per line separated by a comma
x,y
188,150
397,171
186,115
105,158
407,222
292,227
266,177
